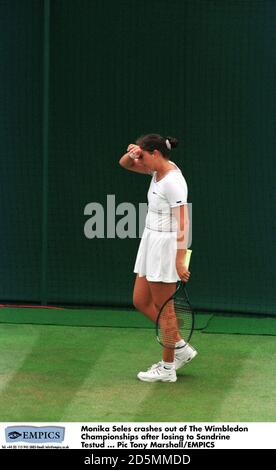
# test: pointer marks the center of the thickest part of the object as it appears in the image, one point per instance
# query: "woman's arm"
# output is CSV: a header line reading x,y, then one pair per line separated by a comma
x,y
182,216
133,164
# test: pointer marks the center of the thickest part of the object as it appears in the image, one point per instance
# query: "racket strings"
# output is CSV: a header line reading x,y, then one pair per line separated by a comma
x,y
175,322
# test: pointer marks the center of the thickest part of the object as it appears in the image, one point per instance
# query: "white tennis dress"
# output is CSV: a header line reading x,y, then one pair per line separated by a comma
x,y
157,251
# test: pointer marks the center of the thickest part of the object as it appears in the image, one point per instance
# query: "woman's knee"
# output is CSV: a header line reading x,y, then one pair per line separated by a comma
x,y
138,302
158,306
141,303
141,294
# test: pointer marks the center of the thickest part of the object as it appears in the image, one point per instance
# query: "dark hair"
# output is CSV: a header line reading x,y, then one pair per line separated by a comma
x,y
151,142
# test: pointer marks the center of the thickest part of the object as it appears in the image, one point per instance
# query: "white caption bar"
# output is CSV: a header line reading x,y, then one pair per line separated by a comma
x,y
151,436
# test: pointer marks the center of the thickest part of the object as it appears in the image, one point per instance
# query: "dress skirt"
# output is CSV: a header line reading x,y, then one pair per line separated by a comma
x,y
156,256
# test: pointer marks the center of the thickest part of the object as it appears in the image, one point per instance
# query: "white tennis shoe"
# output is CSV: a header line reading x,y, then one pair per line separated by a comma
x,y
184,356
181,357
158,373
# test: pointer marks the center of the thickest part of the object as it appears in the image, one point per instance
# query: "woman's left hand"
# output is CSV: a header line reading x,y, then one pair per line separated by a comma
x,y
182,272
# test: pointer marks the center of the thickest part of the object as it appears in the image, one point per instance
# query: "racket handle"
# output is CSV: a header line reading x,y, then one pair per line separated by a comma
x,y
187,258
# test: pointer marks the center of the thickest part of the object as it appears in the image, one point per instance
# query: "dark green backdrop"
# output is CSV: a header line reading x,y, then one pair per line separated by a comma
x,y
82,79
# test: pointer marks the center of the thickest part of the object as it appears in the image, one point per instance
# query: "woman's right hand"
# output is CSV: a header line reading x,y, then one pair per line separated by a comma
x,y
135,150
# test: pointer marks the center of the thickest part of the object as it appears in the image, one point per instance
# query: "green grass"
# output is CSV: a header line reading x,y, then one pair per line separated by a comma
x,y
63,373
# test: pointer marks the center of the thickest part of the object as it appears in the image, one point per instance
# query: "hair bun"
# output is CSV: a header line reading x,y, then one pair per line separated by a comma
x,y
173,141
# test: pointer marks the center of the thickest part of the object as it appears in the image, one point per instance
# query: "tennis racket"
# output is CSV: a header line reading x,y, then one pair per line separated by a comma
x,y
176,317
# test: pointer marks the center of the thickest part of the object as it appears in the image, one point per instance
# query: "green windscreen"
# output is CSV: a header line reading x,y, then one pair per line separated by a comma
x,y
202,71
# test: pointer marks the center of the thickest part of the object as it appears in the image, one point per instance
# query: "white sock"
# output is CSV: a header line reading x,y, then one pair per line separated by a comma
x,y
168,365
180,343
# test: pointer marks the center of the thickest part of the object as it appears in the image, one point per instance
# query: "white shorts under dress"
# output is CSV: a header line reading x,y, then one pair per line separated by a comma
x,y
157,251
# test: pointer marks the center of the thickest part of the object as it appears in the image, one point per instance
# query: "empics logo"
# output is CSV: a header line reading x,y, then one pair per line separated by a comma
x,y
14,434
34,434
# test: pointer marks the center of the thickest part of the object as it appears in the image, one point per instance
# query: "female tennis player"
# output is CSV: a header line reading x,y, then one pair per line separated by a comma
x,y
159,263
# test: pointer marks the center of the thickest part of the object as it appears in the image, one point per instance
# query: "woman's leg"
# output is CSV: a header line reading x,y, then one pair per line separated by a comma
x,y
142,298
160,292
